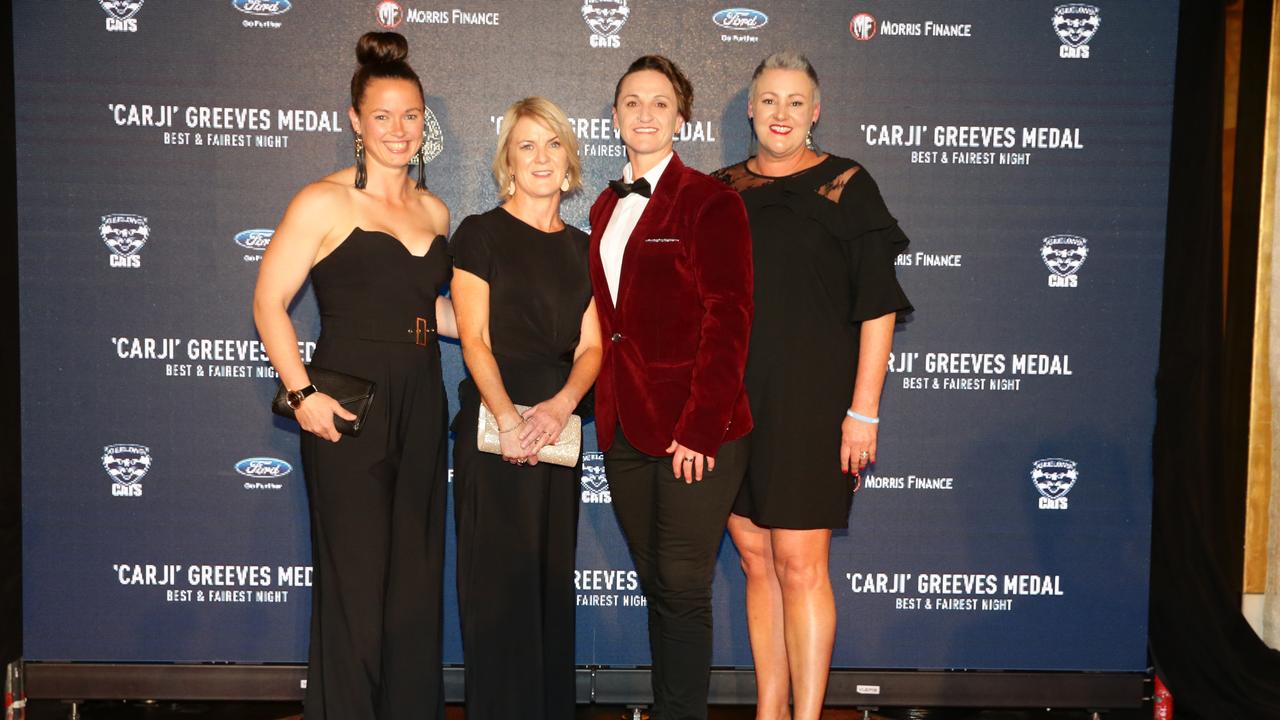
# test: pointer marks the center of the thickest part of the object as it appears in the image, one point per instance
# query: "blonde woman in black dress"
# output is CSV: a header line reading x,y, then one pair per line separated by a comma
x,y
826,298
530,337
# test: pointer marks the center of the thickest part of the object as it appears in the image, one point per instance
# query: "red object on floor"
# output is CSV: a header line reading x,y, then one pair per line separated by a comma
x,y
1162,702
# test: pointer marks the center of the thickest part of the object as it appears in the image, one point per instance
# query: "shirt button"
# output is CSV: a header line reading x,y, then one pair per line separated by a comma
x,y
617,337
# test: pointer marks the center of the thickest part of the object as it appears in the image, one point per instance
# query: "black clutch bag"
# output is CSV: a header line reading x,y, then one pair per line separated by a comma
x,y
353,393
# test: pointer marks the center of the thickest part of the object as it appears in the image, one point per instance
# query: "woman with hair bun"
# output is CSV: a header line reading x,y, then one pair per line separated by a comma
x,y
372,241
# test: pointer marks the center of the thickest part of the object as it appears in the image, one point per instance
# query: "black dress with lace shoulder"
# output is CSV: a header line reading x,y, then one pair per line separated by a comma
x,y
824,246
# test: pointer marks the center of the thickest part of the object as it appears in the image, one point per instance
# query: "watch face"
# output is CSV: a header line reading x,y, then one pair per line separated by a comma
x,y
294,399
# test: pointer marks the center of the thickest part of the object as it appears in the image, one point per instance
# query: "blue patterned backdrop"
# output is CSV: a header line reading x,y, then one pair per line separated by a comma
x,y
1023,146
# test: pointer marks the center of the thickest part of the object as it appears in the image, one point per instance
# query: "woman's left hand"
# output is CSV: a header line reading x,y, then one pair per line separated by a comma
x,y
857,445
542,425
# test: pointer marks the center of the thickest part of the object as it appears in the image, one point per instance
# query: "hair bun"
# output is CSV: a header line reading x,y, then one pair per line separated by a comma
x,y
375,48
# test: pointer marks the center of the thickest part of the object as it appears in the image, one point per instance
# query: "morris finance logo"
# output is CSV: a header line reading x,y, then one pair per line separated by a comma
x,y
1054,478
1075,24
863,26
1063,255
255,241
595,486
126,464
262,7
120,14
389,14
605,18
124,234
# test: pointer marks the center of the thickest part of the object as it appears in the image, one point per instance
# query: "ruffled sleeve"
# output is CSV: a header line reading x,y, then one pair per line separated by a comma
x,y
470,249
874,242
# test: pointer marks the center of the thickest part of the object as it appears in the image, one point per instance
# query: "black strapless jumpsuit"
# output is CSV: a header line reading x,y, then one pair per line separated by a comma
x,y
377,501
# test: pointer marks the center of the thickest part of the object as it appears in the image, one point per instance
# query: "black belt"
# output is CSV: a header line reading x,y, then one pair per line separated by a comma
x,y
419,330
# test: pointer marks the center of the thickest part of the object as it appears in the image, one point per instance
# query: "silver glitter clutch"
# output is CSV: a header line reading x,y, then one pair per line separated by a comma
x,y
565,451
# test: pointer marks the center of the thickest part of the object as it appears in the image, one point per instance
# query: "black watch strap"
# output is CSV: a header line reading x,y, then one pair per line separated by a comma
x,y
295,397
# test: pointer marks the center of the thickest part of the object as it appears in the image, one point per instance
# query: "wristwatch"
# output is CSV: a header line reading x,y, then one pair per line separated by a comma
x,y
295,397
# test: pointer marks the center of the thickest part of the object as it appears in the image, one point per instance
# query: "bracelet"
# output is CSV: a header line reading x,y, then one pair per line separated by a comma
x,y
862,418
517,427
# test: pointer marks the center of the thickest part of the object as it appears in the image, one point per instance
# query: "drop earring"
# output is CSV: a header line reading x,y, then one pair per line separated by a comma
x,y
808,139
564,184
362,175
420,156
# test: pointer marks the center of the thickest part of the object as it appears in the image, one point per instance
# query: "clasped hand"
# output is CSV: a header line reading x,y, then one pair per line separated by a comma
x,y
540,425
315,415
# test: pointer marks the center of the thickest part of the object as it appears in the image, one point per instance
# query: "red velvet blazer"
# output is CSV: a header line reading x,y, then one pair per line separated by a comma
x,y
675,348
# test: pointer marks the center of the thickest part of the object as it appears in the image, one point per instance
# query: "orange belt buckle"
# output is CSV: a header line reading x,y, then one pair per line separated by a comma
x,y
422,332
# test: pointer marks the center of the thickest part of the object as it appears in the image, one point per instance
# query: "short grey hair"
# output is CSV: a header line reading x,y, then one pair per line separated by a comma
x,y
786,60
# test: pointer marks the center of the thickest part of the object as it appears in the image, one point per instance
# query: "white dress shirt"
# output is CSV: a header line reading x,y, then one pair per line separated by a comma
x,y
613,243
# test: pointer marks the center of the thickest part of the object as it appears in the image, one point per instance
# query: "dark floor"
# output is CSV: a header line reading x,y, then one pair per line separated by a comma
x,y
51,710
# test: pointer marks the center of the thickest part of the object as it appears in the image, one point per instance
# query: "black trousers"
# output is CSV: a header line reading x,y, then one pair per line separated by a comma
x,y
517,528
377,505
673,530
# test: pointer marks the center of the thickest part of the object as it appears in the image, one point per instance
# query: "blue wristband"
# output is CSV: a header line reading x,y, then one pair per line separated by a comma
x,y
862,418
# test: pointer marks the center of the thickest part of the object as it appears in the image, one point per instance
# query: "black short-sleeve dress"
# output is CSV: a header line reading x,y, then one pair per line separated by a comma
x,y
824,246
517,524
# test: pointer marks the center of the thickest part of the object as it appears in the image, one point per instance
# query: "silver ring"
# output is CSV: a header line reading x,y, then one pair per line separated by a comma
x,y
688,459
864,453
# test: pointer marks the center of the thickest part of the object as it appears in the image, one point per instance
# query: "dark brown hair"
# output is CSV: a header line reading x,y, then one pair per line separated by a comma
x,y
381,55
684,88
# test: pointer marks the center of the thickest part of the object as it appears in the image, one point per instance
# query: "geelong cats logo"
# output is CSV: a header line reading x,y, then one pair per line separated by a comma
x,y
126,464
120,14
1063,255
605,18
121,9
595,486
432,137
1075,24
1054,478
124,234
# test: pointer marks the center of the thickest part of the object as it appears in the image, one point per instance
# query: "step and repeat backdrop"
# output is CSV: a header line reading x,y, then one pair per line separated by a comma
x,y
1023,146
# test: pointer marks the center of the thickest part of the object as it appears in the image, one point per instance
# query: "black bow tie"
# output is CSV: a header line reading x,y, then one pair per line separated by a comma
x,y
639,187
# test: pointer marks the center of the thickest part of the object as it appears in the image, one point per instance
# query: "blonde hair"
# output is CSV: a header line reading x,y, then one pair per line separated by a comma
x,y
552,117
786,60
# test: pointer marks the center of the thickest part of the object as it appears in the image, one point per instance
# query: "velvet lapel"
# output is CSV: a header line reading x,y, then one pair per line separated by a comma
x,y
654,218
601,213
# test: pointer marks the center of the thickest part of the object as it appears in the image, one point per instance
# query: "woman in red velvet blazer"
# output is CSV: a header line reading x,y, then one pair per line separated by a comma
x,y
672,277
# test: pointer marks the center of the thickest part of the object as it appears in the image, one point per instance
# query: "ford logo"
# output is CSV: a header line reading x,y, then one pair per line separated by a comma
x,y
740,19
263,467
262,7
255,239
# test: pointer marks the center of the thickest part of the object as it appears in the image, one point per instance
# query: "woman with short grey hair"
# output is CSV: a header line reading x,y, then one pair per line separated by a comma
x,y
826,298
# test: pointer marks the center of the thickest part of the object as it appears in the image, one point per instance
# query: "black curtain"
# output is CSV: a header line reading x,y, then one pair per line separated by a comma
x,y
1214,664
10,444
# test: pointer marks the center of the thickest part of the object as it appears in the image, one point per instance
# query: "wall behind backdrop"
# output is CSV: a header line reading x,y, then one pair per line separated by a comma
x,y
1023,146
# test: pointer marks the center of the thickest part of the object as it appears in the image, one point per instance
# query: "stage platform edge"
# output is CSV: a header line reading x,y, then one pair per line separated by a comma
x,y
605,685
